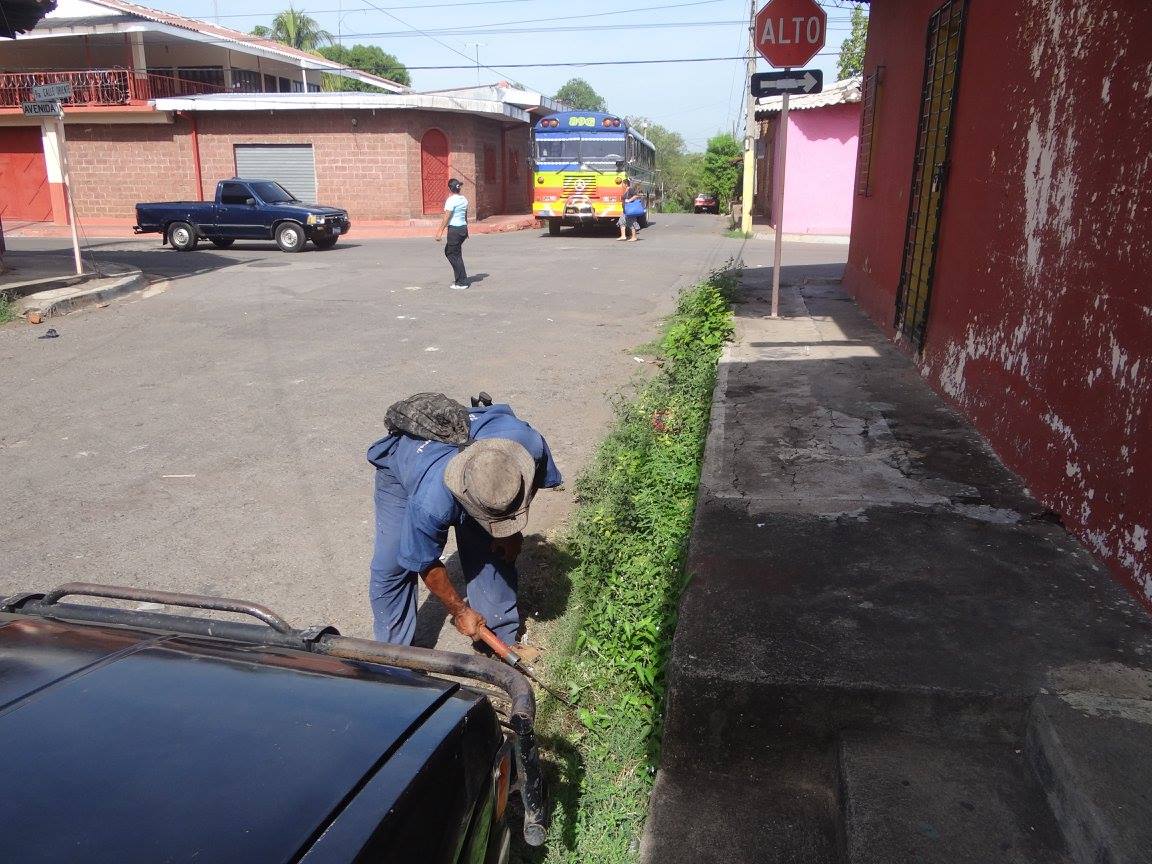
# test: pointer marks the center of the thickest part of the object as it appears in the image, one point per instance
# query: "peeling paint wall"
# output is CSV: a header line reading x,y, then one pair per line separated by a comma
x,y
1040,327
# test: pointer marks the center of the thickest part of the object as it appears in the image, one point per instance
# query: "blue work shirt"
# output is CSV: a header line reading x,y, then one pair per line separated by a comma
x,y
419,467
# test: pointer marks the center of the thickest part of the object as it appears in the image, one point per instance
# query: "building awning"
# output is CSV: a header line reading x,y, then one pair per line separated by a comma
x,y
842,92
532,101
344,101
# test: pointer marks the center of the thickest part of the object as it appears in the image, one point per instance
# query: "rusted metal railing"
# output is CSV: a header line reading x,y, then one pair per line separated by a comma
x,y
100,87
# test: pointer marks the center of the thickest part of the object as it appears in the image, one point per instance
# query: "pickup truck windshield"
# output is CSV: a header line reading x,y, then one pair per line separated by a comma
x,y
272,193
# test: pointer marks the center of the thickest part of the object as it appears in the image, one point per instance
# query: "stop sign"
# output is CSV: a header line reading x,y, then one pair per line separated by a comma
x,y
790,32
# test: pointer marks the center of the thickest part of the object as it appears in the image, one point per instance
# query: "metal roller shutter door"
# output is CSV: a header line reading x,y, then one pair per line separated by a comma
x,y
293,166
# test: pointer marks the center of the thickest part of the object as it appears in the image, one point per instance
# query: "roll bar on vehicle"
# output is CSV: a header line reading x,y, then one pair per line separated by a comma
x,y
275,631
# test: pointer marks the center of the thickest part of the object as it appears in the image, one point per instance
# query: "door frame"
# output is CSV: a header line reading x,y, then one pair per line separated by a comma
x,y
937,98
439,201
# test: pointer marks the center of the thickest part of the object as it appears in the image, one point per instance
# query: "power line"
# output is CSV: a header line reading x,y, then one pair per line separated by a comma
x,y
743,57
585,28
603,14
477,65
462,31
426,7
418,7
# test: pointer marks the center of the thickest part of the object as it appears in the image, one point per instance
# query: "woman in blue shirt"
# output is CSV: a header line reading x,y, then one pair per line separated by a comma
x,y
455,219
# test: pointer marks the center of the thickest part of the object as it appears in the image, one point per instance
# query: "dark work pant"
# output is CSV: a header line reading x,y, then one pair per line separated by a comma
x,y
491,581
456,238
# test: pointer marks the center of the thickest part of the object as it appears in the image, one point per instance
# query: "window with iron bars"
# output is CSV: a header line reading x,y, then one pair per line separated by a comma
x,y
869,92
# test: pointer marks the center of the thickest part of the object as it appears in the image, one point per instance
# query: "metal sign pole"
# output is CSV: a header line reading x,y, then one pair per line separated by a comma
x,y
782,148
748,187
62,147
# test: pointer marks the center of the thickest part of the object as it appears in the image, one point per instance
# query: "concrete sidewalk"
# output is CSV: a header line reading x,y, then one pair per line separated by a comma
x,y
887,652
47,282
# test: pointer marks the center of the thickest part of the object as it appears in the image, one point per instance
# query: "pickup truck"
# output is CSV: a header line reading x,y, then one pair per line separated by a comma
x,y
243,210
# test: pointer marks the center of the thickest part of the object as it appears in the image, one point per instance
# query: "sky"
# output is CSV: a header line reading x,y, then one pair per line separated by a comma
x,y
695,99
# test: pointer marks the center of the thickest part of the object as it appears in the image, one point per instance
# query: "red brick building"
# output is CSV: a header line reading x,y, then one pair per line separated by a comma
x,y
164,106
1001,232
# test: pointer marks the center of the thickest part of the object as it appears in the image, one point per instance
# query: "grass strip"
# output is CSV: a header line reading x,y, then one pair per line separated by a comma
x,y
626,545
7,310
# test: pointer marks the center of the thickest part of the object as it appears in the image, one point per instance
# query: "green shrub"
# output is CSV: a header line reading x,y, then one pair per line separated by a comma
x,y
628,538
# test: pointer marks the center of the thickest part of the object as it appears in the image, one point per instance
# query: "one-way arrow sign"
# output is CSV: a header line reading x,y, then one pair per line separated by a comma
x,y
796,81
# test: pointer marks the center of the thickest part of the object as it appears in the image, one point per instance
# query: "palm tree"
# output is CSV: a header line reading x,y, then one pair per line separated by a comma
x,y
293,27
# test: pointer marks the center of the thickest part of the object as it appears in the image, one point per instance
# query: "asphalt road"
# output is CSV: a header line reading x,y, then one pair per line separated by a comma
x,y
211,438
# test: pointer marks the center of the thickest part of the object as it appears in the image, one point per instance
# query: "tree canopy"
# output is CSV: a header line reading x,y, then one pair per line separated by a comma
x,y
367,58
721,167
293,27
678,172
852,49
578,94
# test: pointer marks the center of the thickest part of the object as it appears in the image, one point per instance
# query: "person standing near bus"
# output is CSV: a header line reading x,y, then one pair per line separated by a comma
x,y
455,220
626,222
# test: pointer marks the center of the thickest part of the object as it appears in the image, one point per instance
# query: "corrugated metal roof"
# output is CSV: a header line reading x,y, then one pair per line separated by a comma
x,y
841,93
22,15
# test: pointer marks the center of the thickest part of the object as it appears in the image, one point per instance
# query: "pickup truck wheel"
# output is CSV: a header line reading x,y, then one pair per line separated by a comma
x,y
222,242
325,242
290,237
182,236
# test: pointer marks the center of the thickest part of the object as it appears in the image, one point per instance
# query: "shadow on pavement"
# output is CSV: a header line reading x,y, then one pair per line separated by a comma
x,y
542,594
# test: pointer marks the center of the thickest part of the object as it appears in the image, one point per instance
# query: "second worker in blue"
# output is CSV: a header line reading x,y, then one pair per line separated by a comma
x,y
483,490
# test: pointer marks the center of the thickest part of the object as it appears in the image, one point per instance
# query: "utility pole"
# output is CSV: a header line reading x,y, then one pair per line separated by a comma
x,y
65,175
751,131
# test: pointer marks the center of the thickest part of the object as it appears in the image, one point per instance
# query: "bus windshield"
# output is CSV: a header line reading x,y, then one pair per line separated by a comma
x,y
583,149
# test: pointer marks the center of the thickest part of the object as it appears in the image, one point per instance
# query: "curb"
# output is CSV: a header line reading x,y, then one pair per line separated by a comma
x,y
50,306
831,239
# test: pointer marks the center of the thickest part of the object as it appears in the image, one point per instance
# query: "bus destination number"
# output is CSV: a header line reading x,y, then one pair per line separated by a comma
x,y
581,121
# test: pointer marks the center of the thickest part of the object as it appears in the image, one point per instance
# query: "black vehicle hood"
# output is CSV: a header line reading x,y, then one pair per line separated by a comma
x,y
121,745
305,209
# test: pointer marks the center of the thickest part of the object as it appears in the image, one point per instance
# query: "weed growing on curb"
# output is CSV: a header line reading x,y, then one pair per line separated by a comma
x,y
627,541
6,309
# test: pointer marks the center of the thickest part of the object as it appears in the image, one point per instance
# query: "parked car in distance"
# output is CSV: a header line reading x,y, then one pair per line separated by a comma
x,y
133,735
706,203
243,210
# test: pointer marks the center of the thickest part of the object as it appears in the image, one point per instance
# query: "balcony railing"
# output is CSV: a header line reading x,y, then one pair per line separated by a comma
x,y
100,87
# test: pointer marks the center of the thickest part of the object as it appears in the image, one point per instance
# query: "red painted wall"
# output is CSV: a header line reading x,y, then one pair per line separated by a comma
x,y
1040,327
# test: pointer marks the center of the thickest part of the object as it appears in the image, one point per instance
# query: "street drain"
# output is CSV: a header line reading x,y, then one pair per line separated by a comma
x,y
269,264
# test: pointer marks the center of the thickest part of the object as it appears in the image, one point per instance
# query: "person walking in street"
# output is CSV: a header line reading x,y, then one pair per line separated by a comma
x,y
626,222
482,489
455,220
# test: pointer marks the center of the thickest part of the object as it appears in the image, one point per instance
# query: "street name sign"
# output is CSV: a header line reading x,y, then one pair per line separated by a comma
x,y
41,109
789,33
797,82
51,92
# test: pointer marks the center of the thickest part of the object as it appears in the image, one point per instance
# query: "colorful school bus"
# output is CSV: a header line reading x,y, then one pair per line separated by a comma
x,y
583,159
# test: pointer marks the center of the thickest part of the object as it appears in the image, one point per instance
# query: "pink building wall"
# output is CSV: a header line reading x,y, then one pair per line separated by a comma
x,y
821,168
